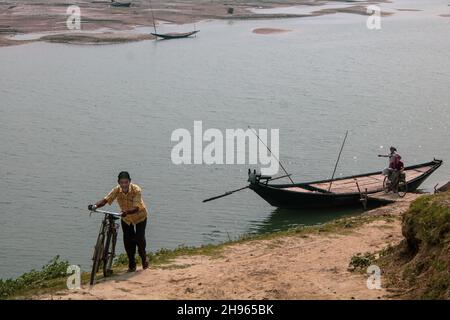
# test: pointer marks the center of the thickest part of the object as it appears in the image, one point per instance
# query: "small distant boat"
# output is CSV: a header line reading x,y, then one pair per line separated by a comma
x,y
120,4
175,35
171,35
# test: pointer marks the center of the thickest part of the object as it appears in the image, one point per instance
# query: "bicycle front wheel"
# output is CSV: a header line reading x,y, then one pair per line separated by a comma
x,y
109,252
97,258
386,186
402,189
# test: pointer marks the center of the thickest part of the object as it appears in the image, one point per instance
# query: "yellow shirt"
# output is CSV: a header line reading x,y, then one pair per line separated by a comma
x,y
127,201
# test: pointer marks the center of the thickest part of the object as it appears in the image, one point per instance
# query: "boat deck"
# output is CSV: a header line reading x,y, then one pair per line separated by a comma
x,y
372,183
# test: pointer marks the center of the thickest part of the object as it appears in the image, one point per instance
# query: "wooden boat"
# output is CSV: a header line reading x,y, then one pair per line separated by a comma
x,y
343,192
120,4
174,35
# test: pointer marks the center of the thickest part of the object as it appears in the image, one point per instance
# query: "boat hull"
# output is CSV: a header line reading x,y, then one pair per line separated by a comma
x,y
121,4
277,196
168,36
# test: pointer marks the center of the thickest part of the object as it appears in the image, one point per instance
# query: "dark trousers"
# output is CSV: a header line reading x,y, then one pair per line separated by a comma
x,y
134,236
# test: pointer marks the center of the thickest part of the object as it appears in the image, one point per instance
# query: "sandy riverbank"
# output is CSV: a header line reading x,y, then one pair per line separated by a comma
x,y
269,30
19,17
303,265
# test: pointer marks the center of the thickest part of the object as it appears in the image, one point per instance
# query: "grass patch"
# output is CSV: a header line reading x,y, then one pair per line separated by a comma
x,y
175,266
360,262
165,256
48,277
428,220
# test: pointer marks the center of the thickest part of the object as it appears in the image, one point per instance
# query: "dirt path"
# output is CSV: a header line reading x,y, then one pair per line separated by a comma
x,y
311,266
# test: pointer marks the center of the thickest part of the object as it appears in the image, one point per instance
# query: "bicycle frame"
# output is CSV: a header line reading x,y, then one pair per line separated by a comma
x,y
105,252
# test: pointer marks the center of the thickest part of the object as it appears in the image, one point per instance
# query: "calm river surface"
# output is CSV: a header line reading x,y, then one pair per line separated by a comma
x,y
73,116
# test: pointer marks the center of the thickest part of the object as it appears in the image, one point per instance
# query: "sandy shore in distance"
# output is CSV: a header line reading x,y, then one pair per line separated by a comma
x,y
269,30
303,266
18,17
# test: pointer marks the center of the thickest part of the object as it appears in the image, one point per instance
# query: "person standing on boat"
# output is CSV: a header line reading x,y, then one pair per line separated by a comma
x,y
396,165
134,217
392,156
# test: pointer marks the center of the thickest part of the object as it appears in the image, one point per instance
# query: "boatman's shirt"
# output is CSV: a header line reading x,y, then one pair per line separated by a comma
x,y
127,201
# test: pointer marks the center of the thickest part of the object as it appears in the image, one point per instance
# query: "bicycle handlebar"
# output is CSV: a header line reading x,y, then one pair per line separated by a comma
x,y
115,214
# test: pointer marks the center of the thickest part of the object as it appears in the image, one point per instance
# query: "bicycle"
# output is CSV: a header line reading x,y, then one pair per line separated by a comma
x,y
105,247
398,186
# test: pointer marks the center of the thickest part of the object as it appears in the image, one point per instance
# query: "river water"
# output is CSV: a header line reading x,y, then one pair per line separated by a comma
x,y
73,116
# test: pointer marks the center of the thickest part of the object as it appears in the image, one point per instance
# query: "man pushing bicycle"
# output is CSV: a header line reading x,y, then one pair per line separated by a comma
x,y
134,217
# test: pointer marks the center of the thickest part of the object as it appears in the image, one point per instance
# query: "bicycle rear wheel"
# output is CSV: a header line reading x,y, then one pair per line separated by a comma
x,y
98,255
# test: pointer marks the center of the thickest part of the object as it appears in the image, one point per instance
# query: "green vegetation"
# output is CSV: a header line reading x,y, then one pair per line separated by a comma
x,y
49,276
428,221
421,263
360,262
164,256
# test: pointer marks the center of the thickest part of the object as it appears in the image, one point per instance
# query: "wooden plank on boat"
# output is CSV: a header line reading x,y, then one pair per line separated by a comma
x,y
346,186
